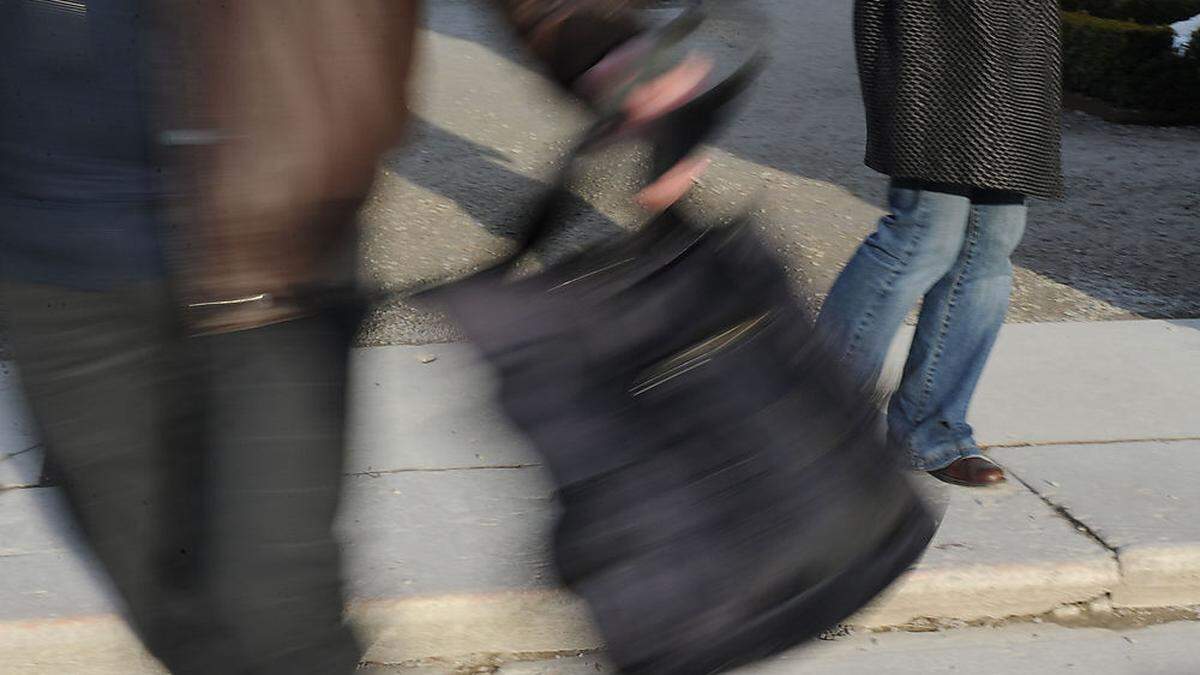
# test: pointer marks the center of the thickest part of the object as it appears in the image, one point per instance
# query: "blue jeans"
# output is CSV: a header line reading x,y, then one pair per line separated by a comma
x,y
949,247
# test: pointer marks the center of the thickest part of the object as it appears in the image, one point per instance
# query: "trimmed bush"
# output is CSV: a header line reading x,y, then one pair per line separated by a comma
x,y
1130,65
1149,12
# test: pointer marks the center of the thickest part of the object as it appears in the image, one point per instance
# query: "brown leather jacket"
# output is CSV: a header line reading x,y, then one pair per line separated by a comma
x,y
301,98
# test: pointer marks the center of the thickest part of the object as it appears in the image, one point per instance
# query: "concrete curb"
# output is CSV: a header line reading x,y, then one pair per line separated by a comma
x,y
1158,576
989,592
552,621
518,622
394,631
97,644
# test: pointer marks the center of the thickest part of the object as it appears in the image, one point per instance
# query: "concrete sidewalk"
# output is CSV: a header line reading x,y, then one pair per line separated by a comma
x,y
448,511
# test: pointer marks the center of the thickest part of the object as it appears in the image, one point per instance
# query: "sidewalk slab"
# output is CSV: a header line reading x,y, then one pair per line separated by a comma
x,y
1086,382
16,426
432,406
427,407
20,468
410,535
430,534
1046,384
475,532
1141,499
46,573
444,563
20,458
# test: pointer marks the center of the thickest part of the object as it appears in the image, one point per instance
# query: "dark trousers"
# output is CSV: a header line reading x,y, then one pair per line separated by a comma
x,y
203,472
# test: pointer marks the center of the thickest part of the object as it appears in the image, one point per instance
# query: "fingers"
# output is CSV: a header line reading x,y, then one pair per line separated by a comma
x,y
667,92
651,101
672,185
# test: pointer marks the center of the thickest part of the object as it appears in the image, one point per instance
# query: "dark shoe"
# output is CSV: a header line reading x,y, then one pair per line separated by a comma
x,y
971,472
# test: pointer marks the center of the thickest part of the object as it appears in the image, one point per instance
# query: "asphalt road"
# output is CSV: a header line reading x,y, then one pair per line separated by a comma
x,y
489,130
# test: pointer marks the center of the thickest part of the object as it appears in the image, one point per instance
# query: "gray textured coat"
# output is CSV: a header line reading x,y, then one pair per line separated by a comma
x,y
963,91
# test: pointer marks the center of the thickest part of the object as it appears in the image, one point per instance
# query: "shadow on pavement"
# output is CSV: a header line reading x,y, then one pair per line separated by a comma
x,y
1124,235
438,160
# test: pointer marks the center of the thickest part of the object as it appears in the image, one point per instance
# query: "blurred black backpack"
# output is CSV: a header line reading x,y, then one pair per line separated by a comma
x,y
725,493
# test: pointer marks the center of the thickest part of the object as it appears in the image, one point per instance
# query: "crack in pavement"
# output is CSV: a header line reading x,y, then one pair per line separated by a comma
x,y
355,474
447,469
18,453
1065,513
12,456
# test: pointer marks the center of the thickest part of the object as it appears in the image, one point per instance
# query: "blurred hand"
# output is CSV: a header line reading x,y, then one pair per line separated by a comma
x,y
667,92
655,99
650,101
672,185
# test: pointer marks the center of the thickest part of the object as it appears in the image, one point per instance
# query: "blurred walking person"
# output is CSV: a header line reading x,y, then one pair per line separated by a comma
x,y
962,102
178,191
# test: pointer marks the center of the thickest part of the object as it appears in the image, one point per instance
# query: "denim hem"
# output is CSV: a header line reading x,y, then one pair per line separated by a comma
x,y
940,458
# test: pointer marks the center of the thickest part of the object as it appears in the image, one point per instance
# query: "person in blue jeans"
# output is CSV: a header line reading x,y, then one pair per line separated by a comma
x,y
962,103
948,248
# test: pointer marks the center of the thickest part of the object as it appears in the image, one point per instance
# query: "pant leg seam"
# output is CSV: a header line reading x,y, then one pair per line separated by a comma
x,y
968,254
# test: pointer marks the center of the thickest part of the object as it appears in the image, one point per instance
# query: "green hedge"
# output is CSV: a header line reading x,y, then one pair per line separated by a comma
x,y
1130,65
1149,12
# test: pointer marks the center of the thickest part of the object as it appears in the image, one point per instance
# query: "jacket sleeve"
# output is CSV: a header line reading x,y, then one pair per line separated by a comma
x,y
571,36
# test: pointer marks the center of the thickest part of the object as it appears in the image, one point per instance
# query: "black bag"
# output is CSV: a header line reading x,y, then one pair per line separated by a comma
x,y
725,494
